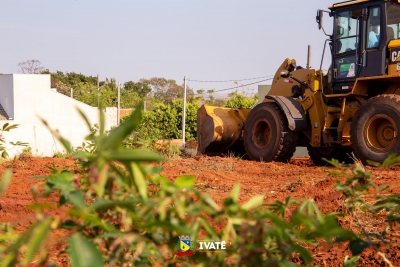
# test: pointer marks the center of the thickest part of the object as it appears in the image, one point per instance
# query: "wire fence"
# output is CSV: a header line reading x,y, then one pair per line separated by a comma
x,y
232,88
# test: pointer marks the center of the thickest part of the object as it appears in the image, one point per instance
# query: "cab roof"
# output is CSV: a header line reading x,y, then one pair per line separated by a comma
x,y
352,3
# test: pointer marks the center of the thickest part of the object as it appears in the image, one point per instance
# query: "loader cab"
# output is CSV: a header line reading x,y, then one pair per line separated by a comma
x,y
362,31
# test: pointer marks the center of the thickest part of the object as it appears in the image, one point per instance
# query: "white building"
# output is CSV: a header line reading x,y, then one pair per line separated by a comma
x,y
25,99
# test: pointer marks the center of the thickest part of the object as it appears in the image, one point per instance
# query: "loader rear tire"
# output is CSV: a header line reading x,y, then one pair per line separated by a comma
x,y
375,129
318,153
267,136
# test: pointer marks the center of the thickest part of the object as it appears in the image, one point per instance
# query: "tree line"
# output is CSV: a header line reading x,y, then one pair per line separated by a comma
x,y
163,97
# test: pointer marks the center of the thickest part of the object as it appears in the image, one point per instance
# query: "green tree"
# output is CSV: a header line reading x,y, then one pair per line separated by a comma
x,y
238,100
210,95
200,91
141,89
167,90
165,121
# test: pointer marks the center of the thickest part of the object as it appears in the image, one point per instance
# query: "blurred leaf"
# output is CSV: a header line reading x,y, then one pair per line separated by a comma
x,y
83,253
132,155
117,135
7,128
39,235
305,254
235,192
40,206
138,179
102,124
209,230
352,262
93,219
5,125
311,208
185,181
208,200
103,205
19,143
392,160
253,202
76,198
383,187
86,120
56,134
5,181
357,246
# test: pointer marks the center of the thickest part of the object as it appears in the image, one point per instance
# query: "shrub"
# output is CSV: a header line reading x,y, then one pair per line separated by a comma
x,y
122,212
241,101
366,209
165,122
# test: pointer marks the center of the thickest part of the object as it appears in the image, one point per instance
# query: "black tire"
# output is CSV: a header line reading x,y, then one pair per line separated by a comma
x,y
375,129
267,136
318,153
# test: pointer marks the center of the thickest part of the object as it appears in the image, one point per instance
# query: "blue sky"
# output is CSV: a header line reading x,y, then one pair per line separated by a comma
x,y
132,39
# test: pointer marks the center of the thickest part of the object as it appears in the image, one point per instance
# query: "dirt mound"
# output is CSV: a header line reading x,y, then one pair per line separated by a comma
x,y
215,176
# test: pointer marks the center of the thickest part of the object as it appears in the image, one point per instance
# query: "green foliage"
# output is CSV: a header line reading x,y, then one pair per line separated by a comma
x,y
139,88
92,256
165,122
238,100
6,128
85,90
166,89
5,181
351,262
383,208
124,213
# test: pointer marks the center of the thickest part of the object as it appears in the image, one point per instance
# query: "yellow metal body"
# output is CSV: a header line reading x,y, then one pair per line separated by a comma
x,y
219,128
356,2
329,115
394,57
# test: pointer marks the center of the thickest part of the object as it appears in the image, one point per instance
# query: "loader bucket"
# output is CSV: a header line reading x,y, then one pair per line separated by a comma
x,y
219,130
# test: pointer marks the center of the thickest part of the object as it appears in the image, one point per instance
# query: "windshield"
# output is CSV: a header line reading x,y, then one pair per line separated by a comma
x,y
393,21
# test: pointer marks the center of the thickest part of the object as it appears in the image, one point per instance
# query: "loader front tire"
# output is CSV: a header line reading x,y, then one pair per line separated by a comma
x,y
375,129
267,136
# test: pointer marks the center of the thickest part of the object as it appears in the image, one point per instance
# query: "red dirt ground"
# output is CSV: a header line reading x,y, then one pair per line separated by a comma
x,y
216,177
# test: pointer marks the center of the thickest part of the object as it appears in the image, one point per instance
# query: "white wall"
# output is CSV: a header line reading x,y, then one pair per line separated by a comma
x,y
7,94
33,99
262,92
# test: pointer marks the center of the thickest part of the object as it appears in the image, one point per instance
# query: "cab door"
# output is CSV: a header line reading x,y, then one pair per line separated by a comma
x,y
374,52
348,28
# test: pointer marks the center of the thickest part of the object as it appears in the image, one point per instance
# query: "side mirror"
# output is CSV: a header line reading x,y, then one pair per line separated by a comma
x,y
319,17
285,74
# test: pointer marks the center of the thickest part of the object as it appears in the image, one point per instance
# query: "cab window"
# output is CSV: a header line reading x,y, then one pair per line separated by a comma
x,y
347,30
393,22
373,27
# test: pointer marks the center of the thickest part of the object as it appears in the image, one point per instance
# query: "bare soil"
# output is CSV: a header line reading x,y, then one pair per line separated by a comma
x,y
216,176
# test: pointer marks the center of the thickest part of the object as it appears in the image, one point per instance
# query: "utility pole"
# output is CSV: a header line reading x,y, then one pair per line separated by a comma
x,y
119,98
184,113
98,92
72,93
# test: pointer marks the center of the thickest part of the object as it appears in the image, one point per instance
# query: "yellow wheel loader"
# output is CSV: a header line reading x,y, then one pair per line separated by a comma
x,y
355,106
